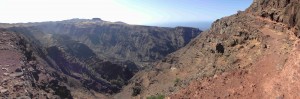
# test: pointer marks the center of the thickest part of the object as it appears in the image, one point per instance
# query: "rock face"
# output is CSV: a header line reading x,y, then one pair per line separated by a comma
x,y
283,11
252,54
25,74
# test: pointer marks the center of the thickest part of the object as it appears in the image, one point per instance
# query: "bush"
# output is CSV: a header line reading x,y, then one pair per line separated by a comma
x,y
177,81
157,97
136,90
117,82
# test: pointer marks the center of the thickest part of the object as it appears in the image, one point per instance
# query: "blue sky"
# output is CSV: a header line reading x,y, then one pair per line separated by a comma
x,y
187,10
129,11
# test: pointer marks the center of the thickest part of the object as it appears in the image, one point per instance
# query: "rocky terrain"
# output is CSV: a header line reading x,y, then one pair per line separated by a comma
x,y
26,74
252,54
81,58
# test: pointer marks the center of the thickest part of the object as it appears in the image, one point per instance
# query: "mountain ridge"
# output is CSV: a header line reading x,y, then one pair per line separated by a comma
x,y
127,31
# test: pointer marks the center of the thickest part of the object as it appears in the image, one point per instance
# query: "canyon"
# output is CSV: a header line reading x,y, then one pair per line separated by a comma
x,y
251,54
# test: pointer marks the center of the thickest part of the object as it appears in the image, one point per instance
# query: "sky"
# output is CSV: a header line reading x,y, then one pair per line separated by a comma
x,y
140,12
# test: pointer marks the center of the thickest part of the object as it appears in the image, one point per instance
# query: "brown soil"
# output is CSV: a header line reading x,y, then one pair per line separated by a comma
x,y
252,54
274,75
10,61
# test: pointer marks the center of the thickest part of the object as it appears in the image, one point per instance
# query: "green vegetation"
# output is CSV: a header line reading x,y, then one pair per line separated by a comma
x,y
156,97
177,81
118,82
136,90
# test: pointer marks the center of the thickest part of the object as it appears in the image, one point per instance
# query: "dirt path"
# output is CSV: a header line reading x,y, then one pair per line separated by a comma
x,y
286,83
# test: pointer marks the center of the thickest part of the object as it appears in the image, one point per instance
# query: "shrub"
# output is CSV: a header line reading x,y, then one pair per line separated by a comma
x,y
177,81
136,90
117,82
156,97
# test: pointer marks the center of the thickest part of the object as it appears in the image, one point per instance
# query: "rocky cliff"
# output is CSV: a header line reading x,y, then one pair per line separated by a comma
x,y
282,11
252,54
121,42
27,73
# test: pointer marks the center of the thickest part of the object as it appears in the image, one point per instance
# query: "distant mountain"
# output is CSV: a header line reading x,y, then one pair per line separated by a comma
x,y
200,25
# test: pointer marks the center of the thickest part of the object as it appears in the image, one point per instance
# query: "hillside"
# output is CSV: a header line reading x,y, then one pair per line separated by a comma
x,y
83,58
252,54
26,72
118,41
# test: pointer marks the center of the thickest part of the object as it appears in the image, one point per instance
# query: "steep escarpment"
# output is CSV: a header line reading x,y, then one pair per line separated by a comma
x,y
121,42
25,72
246,55
78,61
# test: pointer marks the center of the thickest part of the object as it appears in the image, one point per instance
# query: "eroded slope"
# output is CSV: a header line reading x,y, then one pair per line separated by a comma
x,y
251,54
121,42
26,74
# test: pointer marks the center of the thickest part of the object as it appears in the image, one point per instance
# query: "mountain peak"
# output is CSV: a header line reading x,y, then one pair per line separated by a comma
x,y
96,19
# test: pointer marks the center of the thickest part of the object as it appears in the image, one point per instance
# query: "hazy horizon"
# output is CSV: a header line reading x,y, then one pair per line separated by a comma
x,y
137,12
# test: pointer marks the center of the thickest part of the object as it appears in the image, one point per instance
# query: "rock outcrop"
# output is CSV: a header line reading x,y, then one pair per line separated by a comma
x,y
282,11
